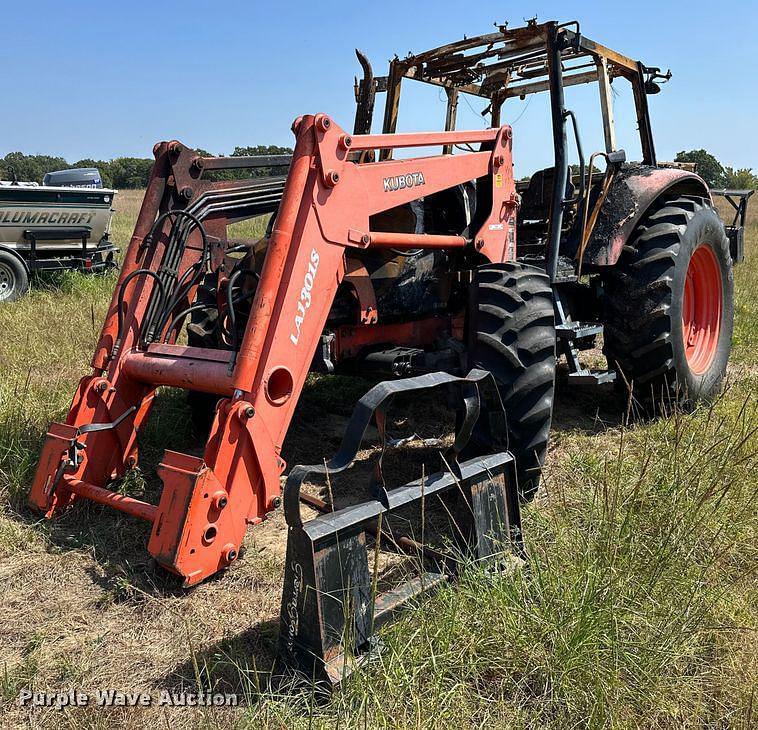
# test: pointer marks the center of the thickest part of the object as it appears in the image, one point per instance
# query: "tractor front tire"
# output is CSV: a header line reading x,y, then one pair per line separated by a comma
x,y
669,305
203,331
515,341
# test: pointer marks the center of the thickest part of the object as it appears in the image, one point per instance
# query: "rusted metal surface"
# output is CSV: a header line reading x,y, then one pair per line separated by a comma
x,y
365,96
516,63
120,502
606,104
630,195
331,604
415,241
357,277
182,367
512,58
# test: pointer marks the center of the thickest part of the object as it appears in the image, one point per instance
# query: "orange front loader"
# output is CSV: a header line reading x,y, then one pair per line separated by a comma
x,y
320,233
321,229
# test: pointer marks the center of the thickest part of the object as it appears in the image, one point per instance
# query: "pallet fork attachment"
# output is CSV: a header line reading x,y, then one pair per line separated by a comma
x,y
330,603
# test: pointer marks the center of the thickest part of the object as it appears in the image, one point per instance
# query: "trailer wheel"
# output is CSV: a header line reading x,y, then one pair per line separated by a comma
x,y
515,341
14,279
669,304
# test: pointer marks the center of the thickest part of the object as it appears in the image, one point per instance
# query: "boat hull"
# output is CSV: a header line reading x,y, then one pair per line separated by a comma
x,y
27,212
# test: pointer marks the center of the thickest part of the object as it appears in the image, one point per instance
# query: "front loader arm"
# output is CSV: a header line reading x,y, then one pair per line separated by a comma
x,y
206,503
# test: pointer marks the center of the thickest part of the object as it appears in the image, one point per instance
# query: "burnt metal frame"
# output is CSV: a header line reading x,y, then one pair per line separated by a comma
x,y
735,231
516,63
527,60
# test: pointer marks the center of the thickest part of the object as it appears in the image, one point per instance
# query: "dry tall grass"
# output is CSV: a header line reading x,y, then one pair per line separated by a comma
x,y
638,608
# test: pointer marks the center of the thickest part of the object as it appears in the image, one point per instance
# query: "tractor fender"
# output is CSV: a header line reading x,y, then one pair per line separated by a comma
x,y
634,189
17,255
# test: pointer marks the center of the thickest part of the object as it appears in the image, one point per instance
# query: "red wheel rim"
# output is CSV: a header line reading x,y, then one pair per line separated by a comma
x,y
701,310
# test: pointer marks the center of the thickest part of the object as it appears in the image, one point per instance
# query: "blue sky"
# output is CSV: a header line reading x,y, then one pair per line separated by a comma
x,y
98,79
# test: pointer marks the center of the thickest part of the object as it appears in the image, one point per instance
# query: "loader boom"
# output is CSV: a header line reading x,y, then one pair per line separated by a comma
x,y
328,199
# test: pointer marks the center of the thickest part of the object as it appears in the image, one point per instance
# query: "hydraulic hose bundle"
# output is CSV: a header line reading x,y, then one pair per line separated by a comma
x,y
170,289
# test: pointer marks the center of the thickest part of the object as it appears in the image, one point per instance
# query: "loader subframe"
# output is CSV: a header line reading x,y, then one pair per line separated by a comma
x,y
327,201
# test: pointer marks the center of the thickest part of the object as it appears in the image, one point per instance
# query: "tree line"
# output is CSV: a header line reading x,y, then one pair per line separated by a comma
x,y
121,172
718,175
133,172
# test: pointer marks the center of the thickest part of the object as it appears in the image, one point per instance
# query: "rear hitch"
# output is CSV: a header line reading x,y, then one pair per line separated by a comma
x,y
735,230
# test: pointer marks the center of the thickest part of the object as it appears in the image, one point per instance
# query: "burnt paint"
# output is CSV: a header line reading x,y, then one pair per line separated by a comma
x,y
633,191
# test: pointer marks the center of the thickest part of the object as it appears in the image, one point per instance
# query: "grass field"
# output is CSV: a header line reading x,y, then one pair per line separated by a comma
x,y
638,607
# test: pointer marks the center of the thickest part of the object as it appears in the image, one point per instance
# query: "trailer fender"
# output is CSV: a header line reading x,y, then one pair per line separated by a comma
x,y
633,191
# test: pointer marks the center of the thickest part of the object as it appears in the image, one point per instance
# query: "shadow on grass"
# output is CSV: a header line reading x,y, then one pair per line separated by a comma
x,y
119,543
588,410
243,664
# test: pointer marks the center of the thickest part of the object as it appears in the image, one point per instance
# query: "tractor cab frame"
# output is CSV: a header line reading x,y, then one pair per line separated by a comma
x,y
507,64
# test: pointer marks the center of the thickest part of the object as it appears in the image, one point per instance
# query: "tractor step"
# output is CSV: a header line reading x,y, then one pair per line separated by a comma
x,y
578,330
574,336
592,377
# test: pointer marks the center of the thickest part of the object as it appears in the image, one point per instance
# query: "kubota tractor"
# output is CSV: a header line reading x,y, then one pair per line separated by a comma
x,y
436,269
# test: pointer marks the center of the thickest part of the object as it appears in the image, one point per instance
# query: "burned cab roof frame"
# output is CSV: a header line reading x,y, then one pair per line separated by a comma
x,y
516,63
506,51
526,60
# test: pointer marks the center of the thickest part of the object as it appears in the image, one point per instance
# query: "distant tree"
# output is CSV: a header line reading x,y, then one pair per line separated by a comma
x,y
124,172
130,172
30,168
708,167
741,179
261,149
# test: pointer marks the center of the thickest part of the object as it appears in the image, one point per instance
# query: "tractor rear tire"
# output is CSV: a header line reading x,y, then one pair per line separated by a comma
x,y
515,341
669,305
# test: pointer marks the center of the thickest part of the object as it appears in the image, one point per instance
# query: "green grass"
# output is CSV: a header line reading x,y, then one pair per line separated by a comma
x,y
637,607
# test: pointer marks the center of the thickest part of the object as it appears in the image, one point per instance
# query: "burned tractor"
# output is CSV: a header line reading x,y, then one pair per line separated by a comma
x,y
437,270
